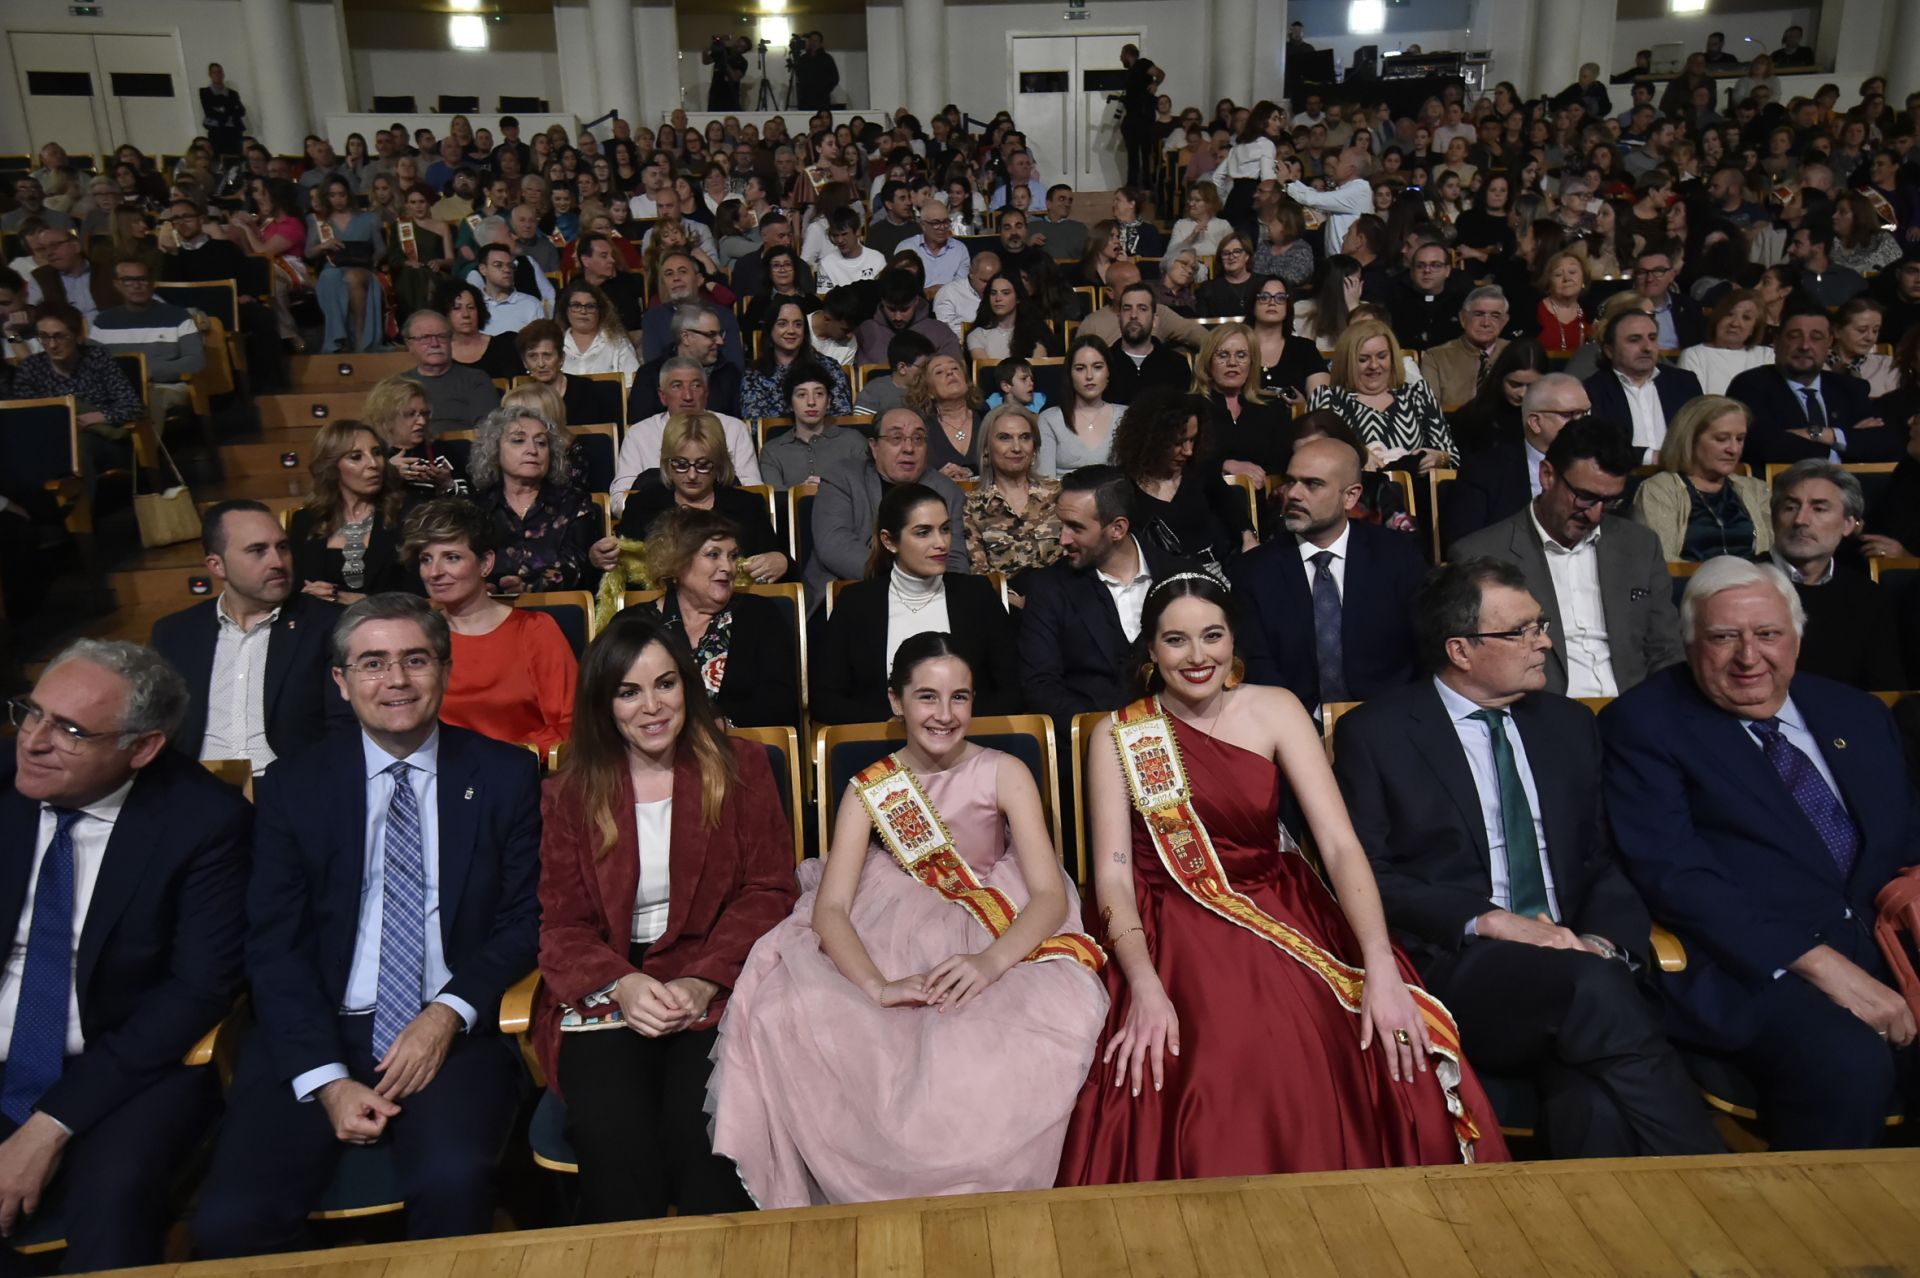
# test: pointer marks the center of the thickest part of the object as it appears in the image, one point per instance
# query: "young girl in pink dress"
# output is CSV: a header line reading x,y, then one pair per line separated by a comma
x,y
921,1023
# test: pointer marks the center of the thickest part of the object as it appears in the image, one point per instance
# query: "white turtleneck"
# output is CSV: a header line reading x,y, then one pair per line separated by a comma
x,y
915,605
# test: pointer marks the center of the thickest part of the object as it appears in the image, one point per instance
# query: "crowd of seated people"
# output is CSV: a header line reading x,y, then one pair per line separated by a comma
x,y
1378,421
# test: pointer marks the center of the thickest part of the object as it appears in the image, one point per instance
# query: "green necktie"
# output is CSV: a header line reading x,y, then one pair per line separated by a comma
x,y
1526,882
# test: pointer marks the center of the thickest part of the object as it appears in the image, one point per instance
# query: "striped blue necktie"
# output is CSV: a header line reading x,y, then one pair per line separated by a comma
x,y
403,915
38,1050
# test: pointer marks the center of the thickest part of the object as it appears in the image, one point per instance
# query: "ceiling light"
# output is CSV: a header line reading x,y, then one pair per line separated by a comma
x,y
1366,17
773,6
467,31
776,31
465,6
1686,6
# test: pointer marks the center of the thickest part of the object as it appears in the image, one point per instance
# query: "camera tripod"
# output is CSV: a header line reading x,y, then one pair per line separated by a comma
x,y
765,101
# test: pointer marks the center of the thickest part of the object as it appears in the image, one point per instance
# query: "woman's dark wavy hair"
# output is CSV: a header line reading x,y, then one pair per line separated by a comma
x,y
1148,432
596,768
1194,585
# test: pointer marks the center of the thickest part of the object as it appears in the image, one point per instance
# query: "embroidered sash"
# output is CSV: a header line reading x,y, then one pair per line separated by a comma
x,y
1150,757
409,242
918,839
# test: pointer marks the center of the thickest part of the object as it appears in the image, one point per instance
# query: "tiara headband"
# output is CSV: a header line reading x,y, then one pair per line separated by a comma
x,y
1186,576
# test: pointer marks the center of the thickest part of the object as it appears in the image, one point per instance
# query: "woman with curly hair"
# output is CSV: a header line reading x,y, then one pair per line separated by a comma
x,y
1186,509
595,340
546,525
952,407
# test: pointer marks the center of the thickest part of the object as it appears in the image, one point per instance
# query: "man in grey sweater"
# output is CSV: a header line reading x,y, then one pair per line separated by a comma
x,y
166,334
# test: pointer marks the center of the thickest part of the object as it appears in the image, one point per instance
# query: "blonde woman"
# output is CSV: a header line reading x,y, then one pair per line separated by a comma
x,y
1698,505
1247,430
346,539
1012,522
1564,324
1400,421
1202,229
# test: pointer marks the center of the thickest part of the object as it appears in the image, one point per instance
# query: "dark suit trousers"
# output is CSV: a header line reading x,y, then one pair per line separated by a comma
x,y
1827,1080
1591,1036
277,1154
637,1120
115,1185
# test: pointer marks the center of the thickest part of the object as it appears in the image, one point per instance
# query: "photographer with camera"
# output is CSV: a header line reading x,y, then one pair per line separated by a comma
x,y
815,73
729,62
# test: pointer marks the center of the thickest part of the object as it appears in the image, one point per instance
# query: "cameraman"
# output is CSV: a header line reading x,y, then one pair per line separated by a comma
x,y
815,75
1140,97
729,63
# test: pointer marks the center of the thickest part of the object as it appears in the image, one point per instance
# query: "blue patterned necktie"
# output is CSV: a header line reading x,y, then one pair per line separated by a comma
x,y
38,1050
1811,791
403,915
1326,630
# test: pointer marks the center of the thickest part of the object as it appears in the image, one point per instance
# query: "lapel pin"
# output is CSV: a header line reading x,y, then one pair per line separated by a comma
x,y
469,792
1839,743
292,622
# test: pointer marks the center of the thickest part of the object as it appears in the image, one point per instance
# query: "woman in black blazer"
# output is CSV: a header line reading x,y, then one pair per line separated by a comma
x,y
908,591
346,539
696,473
743,644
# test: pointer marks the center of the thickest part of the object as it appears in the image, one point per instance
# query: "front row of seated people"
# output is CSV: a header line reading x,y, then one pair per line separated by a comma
x,y
395,877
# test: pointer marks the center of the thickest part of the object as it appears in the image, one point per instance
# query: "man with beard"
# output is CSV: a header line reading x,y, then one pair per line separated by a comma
x,y
1139,358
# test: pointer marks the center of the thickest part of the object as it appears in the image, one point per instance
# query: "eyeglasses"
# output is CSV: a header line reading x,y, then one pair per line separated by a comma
x,y
681,465
49,337
430,339
414,663
1271,299
67,735
711,334
1584,500
1529,632
585,308
1650,271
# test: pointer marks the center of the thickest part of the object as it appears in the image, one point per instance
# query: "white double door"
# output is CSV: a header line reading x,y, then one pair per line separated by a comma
x,y
91,93
1059,90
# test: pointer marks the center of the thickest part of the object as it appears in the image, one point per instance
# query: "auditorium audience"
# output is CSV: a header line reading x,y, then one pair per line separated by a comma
x,y
695,332
1138,359
683,389
695,473
1325,611
1759,810
377,992
810,1044
346,538
902,308
127,883
1179,498
1248,432
1634,386
1124,289
513,672
343,243
1600,579
1851,634
680,283
951,406
637,932
1512,903
1698,505
1803,409
1290,367
586,401
906,590
257,683
547,532
1856,339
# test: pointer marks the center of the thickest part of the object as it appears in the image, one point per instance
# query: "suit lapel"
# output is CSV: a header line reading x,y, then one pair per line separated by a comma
x,y
1726,740
1615,604
688,855
1827,735
1532,557
1436,741
287,636
459,824
197,657
128,852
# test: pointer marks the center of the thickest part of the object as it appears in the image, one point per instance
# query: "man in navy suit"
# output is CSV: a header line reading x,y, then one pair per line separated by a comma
x,y
1472,792
1634,387
1676,316
1083,611
1501,480
392,904
1327,612
1759,812
1802,409
254,656
123,872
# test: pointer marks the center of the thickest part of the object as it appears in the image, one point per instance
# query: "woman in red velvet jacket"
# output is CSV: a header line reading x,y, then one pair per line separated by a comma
x,y
666,854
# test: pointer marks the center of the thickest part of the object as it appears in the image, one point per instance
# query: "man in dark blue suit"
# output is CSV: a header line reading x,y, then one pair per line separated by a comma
x,y
1500,481
255,657
1326,612
1083,611
392,904
1802,409
1633,386
1759,812
123,872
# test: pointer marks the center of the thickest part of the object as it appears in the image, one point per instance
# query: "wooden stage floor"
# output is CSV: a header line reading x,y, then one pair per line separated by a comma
x,y
1759,1214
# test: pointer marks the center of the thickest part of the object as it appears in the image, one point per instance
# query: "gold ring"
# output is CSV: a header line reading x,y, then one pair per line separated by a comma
x,y
1400,1036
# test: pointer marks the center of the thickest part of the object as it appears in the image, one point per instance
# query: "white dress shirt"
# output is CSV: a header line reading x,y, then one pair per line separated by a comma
x,y
1534,458
1476,739
1575,571
89,834
949,264
363,973
1339,565
237,692
640,452
652,893
512,313
956,304
1343,206
1129,596
1649,417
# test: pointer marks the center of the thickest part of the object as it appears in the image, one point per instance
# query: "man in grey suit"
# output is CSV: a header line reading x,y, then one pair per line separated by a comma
x,y
849,500
1601,580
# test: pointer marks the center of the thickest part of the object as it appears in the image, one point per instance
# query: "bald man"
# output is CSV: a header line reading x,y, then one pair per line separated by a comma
x,y
1327,608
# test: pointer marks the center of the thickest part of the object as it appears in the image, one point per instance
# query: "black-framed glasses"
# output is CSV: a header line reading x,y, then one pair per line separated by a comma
x,y
1271,299
1584,500
1528,633
26,715
681,465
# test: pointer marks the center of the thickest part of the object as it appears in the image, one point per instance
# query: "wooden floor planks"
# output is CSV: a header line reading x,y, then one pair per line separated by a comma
x,y
1750,1216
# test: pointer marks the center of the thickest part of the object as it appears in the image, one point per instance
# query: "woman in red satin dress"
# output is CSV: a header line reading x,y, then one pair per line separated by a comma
x,y
1257,1024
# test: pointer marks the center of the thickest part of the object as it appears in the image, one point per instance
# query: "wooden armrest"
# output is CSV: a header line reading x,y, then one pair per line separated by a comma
x,y
516,1005
1672,955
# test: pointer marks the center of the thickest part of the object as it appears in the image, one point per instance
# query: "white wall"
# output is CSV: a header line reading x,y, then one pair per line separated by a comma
x,y
1747,33
1176,36
425,75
